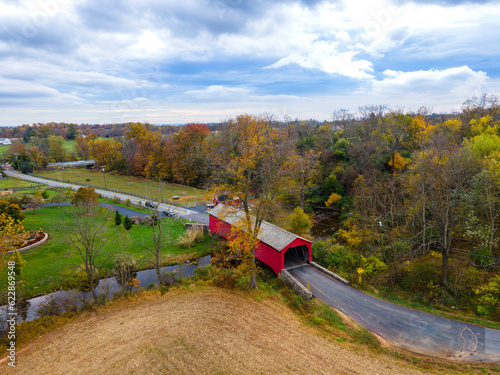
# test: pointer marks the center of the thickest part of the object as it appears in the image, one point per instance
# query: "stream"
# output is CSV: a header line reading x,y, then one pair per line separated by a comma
x,y
107,288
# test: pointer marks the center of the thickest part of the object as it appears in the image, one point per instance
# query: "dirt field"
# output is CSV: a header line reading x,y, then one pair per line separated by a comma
x,y
204,332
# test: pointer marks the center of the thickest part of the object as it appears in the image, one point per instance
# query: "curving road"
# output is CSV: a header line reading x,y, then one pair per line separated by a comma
x,y
406,328
196,214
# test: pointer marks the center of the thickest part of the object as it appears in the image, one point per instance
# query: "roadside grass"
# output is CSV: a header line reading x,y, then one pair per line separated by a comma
x,y
7,183
131,184
47,265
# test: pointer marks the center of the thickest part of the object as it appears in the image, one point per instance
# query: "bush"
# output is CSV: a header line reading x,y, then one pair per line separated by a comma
x,y
128,203
489,300
193,235
118,218
115,200
337,257
45,194
300,222
124,270
127,223
421,276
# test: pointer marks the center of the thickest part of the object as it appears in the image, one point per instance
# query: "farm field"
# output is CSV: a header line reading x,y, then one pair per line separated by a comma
x,y
130,184
49,265
3,150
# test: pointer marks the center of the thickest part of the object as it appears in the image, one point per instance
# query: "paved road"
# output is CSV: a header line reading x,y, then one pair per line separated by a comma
x,y
406,328
197,214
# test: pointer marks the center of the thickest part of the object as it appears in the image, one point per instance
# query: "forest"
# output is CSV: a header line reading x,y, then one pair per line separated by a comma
x,y
417,194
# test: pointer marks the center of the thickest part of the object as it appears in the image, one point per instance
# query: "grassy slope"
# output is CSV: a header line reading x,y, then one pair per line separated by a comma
x,y
136,185
206,331
46,263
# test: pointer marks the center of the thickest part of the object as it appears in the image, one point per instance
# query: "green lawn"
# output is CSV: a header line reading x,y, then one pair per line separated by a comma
x,y
69,146
8,182
134,185
45,265
3,150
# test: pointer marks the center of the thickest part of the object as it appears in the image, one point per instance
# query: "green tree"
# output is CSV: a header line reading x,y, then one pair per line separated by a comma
x,y
300,222
127,223
118,218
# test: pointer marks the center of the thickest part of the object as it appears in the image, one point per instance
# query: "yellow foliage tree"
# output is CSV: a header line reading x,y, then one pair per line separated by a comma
x,y
251,158
399,163
333,200
11,236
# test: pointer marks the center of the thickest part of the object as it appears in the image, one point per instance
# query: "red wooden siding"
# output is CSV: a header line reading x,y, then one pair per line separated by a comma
x,y
265,253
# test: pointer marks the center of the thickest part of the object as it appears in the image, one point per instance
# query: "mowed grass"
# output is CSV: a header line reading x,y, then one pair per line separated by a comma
x,y
46,265
69,146
130,184
3,150
7,183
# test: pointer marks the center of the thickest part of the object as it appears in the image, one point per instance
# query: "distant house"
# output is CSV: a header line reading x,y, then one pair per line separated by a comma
x,y
5,141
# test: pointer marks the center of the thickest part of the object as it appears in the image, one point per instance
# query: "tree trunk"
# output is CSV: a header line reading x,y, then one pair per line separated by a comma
x,y
253,282
302,192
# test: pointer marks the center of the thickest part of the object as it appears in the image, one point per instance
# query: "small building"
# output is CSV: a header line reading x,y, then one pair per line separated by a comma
x,y
277,247
5,141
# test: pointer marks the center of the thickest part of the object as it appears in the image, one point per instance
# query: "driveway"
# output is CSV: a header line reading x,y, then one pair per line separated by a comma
x,y
406,328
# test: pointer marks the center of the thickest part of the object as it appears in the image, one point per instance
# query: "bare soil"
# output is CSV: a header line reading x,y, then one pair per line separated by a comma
x,y
200,332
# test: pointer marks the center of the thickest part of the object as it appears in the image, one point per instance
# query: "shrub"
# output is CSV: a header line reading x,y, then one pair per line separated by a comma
x,y
421,276
128,202
193,235
45,194
300,222
124,270
115,200
489,300
127,223
118,218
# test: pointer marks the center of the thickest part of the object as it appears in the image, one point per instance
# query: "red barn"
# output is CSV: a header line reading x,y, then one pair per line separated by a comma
x,y
277,247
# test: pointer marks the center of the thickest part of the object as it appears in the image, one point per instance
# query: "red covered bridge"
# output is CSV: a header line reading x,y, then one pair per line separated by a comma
x,y
277,247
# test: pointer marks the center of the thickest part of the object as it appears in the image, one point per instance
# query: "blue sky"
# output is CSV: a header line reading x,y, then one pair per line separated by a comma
x,y
165,62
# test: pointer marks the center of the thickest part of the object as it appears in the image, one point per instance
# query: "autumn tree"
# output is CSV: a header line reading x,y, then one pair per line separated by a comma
x,y
85,197
82,147
304,167
107,153
250,158
11,235
442,176
189,161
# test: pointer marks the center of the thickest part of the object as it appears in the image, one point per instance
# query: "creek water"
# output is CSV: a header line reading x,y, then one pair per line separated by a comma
x,y
107,288
325,224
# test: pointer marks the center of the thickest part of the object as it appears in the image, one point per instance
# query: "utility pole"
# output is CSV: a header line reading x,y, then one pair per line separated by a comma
x,y
104,175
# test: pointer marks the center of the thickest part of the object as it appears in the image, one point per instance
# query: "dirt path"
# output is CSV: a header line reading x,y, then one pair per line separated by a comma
x,y
206,332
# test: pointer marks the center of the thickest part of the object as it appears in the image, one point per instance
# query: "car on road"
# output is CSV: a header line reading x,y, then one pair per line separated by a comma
x,y
151,204
169,213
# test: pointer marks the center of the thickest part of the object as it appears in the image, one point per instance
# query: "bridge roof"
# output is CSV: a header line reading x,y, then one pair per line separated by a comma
x,y
269,234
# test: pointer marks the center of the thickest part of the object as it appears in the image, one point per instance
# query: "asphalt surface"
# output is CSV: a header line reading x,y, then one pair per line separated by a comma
x,y
197,214
406,328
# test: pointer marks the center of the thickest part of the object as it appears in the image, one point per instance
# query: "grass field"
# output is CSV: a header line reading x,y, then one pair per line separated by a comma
x,y
45,265
134,185
8,182
3,150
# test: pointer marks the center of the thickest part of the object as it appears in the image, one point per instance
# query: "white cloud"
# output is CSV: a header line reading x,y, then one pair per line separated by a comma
x,y
460,80
217,92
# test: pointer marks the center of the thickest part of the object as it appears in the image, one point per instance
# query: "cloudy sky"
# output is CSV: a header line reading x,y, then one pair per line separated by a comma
x,y
177,61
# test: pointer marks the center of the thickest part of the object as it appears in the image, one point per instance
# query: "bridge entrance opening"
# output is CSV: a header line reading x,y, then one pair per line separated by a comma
x,y
296,256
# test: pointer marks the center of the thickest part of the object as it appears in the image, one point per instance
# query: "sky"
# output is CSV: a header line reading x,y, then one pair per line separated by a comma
x,y
173,61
